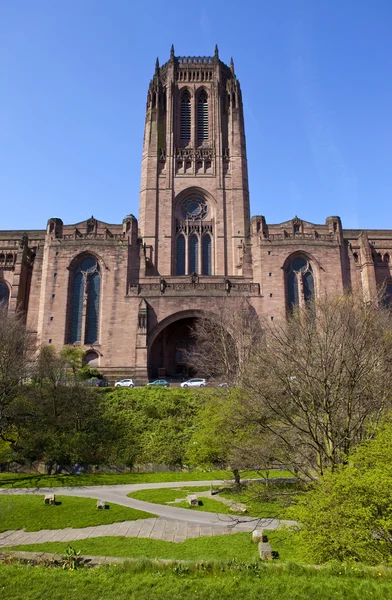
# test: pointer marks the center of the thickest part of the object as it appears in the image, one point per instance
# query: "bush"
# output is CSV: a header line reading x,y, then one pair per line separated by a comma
x,y
347,514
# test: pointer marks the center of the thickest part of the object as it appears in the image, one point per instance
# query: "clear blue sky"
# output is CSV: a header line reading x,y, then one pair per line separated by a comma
x,y
316,79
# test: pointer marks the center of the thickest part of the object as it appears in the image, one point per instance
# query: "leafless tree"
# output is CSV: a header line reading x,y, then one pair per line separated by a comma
x,y
16,364
321,380
224,340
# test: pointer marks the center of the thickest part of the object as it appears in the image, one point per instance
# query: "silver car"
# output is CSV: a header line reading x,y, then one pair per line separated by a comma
x,y
194,383
125,383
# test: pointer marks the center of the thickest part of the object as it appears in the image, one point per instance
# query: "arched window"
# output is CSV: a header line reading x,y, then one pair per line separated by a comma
x,y
4,295
180,256
185,117
300,282
202,117
207,255
84,325
194,254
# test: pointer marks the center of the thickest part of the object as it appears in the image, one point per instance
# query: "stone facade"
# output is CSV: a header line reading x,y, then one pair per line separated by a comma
x,y
128,293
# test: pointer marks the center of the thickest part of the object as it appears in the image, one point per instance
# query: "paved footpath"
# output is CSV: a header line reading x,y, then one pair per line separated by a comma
x,y
172,524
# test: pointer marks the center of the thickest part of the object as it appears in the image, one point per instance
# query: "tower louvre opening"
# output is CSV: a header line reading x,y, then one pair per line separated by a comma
x,y
185,117
202,117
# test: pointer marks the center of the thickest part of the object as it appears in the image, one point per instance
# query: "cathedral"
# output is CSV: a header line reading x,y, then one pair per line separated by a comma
x,y
128,293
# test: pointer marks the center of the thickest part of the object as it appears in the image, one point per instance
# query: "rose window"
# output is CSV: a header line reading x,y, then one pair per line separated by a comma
x,y
194,209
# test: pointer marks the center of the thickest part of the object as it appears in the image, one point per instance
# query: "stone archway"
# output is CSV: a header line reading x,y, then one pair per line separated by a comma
x,y
168,343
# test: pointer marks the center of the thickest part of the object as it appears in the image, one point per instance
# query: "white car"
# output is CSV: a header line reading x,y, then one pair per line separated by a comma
x,y
124,383
194,383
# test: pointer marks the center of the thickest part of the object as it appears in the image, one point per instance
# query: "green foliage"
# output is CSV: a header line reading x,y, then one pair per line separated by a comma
x,y
72,357
6,452
30,513
347,514
87,372
71,559
215,432
151,425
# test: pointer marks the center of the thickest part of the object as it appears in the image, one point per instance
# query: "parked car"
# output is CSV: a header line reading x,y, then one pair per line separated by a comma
x,y
194,383
223,385
97,382
125,383
159,383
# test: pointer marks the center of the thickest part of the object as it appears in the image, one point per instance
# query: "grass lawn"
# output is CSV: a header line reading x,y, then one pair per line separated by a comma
x,y
30,513
211,504
154,582
221,547
165,495
15,480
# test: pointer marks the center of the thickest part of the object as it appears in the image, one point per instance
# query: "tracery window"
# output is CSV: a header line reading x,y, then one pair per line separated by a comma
x,y
193,247
4,295
202,117
185,117
85,301
194,209
300,282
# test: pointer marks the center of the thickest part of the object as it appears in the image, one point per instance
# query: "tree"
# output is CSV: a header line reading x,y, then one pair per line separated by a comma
x,y
224,340
73,358
322,380
347,513
16,364
312,386
50,372
221,440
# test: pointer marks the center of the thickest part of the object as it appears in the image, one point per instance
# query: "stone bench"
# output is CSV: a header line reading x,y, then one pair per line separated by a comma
x,y
193,500
264,547
259,536
101,504
238,507
50,499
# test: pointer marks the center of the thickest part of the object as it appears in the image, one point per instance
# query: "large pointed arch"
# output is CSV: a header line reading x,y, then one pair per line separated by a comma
x,y
84,299
300,279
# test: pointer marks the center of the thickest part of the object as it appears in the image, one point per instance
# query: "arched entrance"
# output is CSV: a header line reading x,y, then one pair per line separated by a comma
x,y
169,342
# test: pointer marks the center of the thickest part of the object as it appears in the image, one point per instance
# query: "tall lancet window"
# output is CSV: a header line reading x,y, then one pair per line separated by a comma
x,y
202,117
194,254
300,282
85,301
207,255
185,117
4,295
180,256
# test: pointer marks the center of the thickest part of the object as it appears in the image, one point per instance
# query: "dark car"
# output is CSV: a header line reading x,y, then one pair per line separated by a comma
x,y
159,383
98,382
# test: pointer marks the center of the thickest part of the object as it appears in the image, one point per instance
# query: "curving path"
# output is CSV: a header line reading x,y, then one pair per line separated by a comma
x,y
174,524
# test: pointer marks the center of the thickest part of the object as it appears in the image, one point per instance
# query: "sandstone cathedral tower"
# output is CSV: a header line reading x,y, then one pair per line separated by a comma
x,y
129,293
